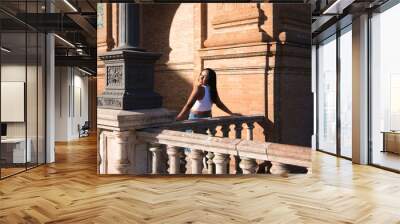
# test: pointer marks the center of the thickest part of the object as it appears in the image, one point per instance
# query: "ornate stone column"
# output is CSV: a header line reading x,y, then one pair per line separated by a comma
x,y
129,78
129,101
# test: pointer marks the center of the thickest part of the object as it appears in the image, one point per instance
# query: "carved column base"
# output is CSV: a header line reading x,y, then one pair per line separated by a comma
x,y
129,80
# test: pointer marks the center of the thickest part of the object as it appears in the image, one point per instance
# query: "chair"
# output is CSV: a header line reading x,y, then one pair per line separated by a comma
x,y
84,130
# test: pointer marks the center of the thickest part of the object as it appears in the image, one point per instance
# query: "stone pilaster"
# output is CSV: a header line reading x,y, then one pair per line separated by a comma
x,y
266,48
129,27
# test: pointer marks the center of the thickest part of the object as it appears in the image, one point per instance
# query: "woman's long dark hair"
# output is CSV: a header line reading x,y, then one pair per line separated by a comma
x,y
212,83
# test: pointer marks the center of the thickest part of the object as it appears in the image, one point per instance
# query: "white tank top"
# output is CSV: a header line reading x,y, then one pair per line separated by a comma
x,y
204,104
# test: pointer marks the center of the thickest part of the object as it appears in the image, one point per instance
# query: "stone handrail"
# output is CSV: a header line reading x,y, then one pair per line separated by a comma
x,y
219,151
205,123
209,125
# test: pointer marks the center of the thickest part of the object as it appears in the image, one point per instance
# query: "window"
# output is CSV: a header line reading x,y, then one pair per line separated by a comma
x,y
327,95
385,88
334,91
346,72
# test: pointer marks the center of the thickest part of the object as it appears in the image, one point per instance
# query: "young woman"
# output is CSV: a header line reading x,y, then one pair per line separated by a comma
x,y
203,95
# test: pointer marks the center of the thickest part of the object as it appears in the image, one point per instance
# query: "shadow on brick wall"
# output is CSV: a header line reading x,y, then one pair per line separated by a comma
x,y
174,83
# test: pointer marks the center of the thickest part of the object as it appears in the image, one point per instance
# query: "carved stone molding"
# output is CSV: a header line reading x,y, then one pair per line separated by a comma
x,y
235,23
114,76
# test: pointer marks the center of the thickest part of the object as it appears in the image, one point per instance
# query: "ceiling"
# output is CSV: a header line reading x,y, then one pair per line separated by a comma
x,y
329,15
74,22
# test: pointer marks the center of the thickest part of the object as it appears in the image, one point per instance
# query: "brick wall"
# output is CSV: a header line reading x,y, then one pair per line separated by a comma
x,y
261,54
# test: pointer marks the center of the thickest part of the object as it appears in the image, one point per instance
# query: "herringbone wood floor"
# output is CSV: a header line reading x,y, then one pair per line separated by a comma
x,y
70,191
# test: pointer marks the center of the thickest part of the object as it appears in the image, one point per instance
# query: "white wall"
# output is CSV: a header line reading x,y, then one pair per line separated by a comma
x,y
62,81
80,102
16,73
314,91
71,102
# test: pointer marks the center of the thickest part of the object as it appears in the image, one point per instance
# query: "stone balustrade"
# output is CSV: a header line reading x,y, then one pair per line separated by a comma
x,y
217,151
224,125
143,142
209,125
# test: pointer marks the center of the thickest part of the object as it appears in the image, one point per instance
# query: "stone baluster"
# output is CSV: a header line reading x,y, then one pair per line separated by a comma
x,y
248,165
119,162
278,168
212,131
238,135
174,159
221,163
202,130
225,130
182,157
210,155
250,127
228,162
164,155
196,158
238,130
210,162
156,166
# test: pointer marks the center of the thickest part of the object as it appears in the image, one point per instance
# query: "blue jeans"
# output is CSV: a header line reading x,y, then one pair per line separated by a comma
x,y
194,117
197,116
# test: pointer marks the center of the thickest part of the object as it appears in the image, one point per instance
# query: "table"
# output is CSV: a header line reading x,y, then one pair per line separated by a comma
x,y
13,150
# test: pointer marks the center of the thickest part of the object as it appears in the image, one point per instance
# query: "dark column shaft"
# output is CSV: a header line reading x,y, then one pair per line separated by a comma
x,y
129,26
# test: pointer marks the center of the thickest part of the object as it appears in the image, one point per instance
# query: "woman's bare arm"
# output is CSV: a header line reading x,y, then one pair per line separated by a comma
x,y
190,102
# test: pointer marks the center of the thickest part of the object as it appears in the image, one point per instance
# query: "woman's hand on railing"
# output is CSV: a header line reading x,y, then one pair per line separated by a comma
x,y
236,114
180,117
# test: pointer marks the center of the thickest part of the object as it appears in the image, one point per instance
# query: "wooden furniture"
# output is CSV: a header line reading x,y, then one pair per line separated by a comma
x,y
391,141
